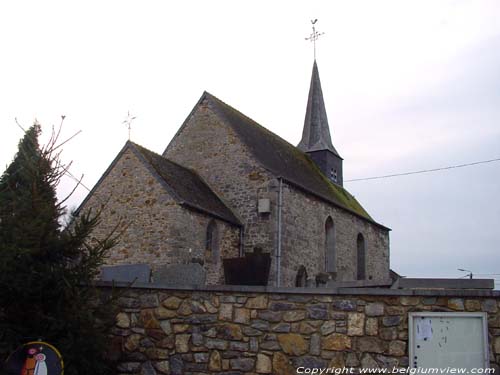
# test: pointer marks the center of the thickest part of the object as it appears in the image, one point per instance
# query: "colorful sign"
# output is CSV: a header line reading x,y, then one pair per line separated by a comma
x,y
35,358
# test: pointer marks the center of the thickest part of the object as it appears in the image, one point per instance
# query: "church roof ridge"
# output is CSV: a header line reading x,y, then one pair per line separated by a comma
x,y
185,185
285,160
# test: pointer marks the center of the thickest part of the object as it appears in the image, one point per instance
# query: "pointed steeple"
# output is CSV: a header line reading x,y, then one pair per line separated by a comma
x,y
316,133
316,140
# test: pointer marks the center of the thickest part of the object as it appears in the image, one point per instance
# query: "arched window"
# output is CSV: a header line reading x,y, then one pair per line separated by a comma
x,y
301,279
361,257
212,241
330,252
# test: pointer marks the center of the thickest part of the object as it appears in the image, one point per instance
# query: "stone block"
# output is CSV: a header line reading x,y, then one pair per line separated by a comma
x,y
148,319
390,321
294,316
182,343
259,302
315,344
344,305
472,305
337,342
389,333
271,316
242,364
172,302
281,365
327,327
149,300
370,345
281,328
318,311
456,304
371,326
409,301
489,305
242,315
162,366
374,309
229,331
216,344
215,361
226,312
132,342
397,348
147,368
367,362
355,324
264,364
122,320
176,365
293,344
395,310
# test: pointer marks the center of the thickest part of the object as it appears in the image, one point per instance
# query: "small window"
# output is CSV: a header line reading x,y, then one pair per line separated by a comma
x,y
361,257
333,175
330,251
212,241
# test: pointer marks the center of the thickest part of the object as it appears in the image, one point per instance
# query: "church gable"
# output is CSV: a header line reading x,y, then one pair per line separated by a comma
x,y
187,186
283,159
184,186
161,225
207,144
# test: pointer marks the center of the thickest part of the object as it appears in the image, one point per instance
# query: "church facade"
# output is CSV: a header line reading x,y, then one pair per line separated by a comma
x,y
226,186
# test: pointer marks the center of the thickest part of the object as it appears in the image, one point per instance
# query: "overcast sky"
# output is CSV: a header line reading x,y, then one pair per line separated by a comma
x,y
408,85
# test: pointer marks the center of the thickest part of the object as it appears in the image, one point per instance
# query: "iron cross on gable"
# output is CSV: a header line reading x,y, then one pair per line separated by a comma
x,y
314,36
128,123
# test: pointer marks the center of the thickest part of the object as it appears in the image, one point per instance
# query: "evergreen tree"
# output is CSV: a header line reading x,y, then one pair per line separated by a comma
x,y
46,271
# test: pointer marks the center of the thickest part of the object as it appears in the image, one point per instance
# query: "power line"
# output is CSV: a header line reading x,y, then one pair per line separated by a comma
x,y
424,170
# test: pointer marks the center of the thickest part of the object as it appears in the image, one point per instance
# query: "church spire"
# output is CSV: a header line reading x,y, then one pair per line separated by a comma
x,y
316,133
316,140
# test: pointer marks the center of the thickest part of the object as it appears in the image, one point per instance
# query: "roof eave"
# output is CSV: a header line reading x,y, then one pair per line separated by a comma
x,y
322,197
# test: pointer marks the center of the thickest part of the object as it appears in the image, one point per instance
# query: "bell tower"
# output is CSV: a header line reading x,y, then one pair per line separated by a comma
x,y
316,140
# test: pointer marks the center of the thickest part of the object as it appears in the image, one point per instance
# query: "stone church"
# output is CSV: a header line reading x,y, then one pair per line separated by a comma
x,y
226,186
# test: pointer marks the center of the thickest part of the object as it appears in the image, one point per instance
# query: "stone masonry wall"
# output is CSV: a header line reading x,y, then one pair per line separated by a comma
x,y
209,146
304,219
156,229
212,148
188,332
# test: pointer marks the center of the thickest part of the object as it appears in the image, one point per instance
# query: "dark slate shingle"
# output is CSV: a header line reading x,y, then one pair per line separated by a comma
x,y
285,160
187,186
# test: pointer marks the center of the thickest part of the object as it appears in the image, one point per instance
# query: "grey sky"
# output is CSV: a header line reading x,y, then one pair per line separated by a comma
x,y
408,85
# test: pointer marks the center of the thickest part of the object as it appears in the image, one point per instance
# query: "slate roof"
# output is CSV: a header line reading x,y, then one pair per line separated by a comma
x,y
316,132
285,160
183,184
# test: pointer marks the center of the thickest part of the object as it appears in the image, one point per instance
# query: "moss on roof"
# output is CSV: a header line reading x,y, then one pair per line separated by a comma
x,y
285,160
186,185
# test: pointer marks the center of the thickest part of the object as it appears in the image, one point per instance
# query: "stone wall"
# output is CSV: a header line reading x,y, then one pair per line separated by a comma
x,y
231,330
208,145
303,236
156,229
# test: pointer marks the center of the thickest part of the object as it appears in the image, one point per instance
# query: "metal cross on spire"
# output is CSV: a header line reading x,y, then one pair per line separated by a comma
x,y
314,36
128,122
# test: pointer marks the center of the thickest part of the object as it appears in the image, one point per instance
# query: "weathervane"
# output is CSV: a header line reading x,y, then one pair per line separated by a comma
x,y
314,36
128,122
